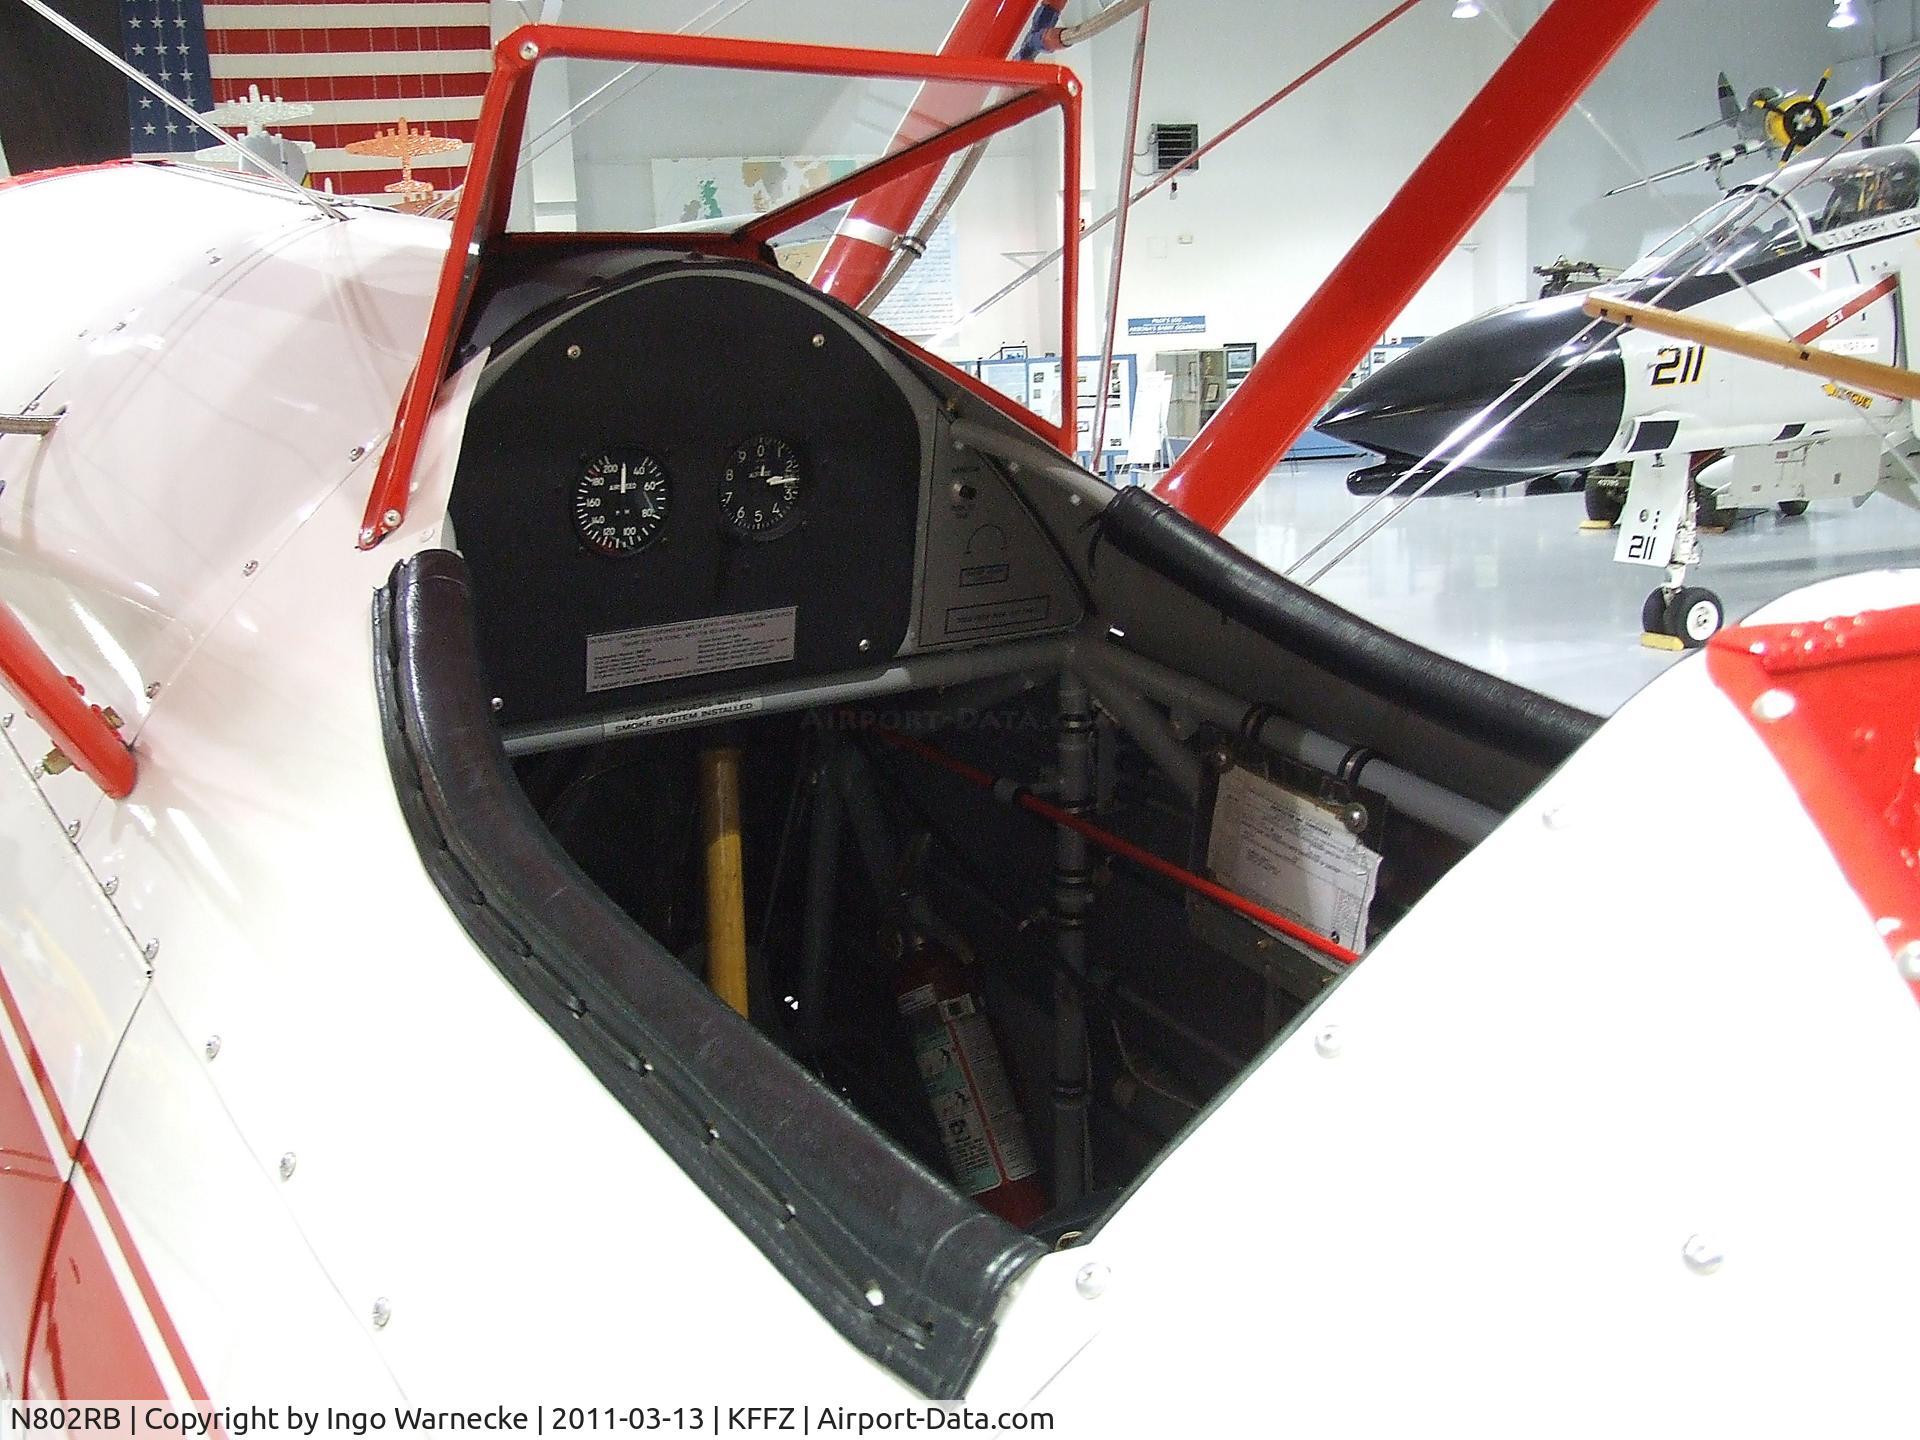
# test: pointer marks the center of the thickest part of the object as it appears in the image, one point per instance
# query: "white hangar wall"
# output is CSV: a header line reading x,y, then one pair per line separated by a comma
x,y
1248,239
1660,86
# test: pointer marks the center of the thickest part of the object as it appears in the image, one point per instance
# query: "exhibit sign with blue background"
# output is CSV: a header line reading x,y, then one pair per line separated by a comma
x,y
1166,324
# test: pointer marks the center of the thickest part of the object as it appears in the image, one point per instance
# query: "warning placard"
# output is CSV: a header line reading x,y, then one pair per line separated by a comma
x,y
619,658
1286,853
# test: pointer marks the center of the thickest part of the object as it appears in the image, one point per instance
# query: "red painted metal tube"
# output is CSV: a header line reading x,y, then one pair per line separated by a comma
x,y
1125,849
928,153
860,253
56,706
1553,63
484,202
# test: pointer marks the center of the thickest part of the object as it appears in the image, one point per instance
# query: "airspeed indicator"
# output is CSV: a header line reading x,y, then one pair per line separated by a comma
x,y
620,502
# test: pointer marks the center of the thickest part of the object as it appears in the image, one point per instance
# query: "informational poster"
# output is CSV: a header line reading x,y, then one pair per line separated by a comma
x,y
923,304
1282,851
712,187
716,187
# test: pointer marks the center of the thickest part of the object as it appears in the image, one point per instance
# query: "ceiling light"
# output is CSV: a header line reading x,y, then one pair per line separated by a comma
x,y
1843,15
1466,9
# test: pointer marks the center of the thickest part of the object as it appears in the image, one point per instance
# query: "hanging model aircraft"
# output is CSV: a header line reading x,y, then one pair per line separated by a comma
x,y
1821,262
662,845
1769,123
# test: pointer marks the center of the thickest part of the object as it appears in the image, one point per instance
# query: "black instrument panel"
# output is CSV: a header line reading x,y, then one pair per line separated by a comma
x,y
701,478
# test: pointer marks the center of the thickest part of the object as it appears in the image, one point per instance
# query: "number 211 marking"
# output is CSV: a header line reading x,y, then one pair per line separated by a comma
x,y
1678,364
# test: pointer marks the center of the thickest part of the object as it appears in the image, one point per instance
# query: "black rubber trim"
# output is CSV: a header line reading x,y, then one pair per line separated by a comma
x,y
1522,722
838,1208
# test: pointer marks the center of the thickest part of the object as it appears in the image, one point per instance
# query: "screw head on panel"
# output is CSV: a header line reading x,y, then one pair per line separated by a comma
x,y
573,352
1907,958
110,886
287,1163
1092,1280
73,831
153,689
249,567
152,949
391,519
213,1046
1329,1042
382,1312
529,51
819,341
1703,1257
356,452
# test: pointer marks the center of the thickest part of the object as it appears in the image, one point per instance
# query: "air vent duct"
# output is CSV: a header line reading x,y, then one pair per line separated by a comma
x,y
1173,146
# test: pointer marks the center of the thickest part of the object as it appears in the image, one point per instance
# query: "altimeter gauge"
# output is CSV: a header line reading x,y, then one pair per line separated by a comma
x,y
620,501
763,493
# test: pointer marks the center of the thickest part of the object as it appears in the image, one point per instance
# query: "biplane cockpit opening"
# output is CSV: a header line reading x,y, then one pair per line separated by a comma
x,y
785,643
917,833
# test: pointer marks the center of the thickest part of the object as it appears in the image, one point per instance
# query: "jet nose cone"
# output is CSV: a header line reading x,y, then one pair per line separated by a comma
x,y
1420,402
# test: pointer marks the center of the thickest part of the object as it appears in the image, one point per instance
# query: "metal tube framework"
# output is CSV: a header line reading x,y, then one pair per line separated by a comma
x,y
57,706
484,200
858,257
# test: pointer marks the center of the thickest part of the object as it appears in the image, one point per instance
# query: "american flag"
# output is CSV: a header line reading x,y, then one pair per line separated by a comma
x,y
361,64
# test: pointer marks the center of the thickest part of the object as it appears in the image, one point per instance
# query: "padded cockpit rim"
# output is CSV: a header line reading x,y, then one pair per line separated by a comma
x,y
1524,723
836,1206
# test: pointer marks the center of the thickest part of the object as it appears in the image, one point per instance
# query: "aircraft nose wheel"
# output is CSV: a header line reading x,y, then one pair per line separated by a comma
x,y
1690,614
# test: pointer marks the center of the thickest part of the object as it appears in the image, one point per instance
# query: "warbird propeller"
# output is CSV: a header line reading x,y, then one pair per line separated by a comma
x,y
1769,123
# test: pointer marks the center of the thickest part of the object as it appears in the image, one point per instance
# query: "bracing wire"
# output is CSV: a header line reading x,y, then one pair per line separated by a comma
x,y
173,102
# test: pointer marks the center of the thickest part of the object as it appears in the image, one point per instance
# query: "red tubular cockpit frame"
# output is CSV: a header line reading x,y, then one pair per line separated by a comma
x,y
1031,88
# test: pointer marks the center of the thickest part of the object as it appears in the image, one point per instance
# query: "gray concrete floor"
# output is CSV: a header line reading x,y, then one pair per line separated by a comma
x,y
1511,584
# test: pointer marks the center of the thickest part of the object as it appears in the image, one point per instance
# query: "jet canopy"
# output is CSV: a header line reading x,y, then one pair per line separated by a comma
x,y
1800,211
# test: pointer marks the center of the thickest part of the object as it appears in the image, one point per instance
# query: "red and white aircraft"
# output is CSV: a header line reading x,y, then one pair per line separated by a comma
x,y
358,1050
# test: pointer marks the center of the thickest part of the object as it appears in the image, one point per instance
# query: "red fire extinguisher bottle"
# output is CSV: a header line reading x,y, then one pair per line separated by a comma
x,y
980,1124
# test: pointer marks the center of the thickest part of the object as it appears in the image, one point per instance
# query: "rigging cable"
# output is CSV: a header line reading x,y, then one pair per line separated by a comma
x,y
1102,376
171,101
1238,125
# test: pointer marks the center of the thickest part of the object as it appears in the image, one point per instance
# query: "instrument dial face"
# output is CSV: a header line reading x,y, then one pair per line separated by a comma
x,y
620,501
764,491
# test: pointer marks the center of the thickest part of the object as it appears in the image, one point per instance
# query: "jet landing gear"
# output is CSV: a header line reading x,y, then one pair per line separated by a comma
x,y
1682,616
1661,526
1686,615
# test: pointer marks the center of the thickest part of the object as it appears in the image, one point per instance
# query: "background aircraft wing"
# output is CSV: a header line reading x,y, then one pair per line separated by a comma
x,y
1706,162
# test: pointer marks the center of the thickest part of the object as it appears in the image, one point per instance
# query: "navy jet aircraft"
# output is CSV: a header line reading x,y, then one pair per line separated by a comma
x,y
1675,434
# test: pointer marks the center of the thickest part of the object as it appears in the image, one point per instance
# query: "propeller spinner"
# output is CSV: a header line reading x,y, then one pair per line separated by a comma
x,y
1795,121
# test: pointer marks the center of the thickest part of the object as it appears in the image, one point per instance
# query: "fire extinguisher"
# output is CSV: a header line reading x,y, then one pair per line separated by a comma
x,y
965,1081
